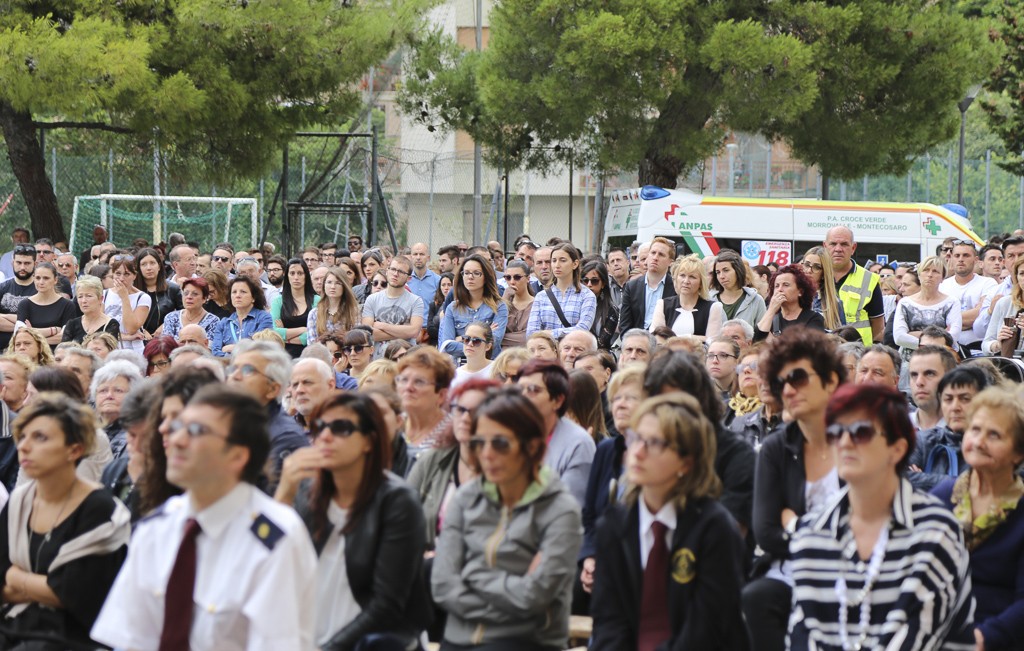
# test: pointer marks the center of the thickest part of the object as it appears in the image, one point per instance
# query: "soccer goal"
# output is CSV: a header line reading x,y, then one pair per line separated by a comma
x,y
127,217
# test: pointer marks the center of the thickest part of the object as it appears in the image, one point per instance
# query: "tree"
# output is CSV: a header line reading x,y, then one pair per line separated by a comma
x,y
224,82
854,86
1006,102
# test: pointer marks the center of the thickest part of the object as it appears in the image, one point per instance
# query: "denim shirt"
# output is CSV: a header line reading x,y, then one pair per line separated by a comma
x,y
228,333
457,319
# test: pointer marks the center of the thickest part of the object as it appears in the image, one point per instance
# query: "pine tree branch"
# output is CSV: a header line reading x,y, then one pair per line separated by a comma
x,y
96,126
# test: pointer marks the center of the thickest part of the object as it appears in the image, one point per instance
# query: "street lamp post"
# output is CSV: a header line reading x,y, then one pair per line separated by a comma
x,y
964,104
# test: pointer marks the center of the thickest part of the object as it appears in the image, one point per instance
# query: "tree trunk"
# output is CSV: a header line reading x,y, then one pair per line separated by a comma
x,y
29,165
824,187
660,169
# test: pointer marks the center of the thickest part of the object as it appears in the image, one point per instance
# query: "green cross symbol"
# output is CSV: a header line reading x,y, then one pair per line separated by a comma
x,y
932,227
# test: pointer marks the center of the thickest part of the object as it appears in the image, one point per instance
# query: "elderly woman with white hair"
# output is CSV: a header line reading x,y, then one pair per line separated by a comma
x,y
110,384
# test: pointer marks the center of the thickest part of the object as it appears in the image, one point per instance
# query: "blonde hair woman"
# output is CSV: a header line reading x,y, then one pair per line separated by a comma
x,y
928,307
506,366
1001,338
379,373
817,263
689,312
28,342
89,294
338,309
673,490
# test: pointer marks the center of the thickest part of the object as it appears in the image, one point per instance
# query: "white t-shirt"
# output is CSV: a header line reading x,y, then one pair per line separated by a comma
x,y
336,606
112,308
970,296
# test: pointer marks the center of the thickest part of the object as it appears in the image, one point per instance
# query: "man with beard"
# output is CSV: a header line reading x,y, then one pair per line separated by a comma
x,y
275,271
15,290
394,313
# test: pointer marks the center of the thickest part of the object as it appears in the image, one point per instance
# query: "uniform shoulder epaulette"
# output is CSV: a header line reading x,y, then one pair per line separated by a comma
x,y
266,531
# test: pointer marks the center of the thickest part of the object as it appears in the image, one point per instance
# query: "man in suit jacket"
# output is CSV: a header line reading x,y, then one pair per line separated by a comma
x,y
640,295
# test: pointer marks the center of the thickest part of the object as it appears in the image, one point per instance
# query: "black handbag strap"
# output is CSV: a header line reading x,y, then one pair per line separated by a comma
x,y
558,308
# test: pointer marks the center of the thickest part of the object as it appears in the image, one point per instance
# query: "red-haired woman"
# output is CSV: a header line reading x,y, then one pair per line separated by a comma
x,y
790,296
158,354
366,524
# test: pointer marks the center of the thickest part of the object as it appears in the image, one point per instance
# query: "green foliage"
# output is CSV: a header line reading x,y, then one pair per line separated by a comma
x,y
1005,106
225,82
854,86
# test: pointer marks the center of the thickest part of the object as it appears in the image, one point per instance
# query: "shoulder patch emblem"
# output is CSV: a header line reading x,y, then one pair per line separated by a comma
x,y
684,566
266,531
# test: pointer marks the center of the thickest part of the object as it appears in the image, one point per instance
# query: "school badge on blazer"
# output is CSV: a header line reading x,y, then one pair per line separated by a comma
x,y
683,566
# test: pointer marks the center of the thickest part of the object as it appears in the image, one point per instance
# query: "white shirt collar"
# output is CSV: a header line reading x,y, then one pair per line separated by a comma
x,y
216,517
666,516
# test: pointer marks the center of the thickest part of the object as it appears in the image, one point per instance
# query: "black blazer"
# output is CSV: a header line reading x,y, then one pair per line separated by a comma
x,y
384,562
704,583
634,306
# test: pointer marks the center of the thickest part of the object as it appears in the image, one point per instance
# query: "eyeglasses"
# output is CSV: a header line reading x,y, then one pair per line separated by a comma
x,y
652,446
247,370
860,432
515,277
380,284
190,342
459,410
44,251
418,383
591,281
813,266
220,258
750,366
341,427
473,341
715,357
194,430
500,444
355,348
532,389
797,378
161,364
401,272
472,274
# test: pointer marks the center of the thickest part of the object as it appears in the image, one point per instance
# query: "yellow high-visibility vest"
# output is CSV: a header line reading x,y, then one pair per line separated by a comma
x,y
854,294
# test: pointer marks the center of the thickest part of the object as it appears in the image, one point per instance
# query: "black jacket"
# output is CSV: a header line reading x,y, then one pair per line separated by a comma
x,y
701,313
634,302
384,563
704,582
779,483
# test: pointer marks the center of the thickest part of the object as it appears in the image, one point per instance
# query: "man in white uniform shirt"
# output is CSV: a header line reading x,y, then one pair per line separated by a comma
x,y
224,566
969,289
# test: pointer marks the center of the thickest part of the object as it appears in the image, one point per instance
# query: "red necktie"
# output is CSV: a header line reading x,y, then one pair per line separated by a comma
x,y
654,623
178,601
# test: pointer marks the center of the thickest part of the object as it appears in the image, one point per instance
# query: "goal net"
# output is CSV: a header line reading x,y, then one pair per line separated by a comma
x,y
207,220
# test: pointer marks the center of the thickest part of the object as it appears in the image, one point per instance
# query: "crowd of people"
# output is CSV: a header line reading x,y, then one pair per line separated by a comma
x,y
366,449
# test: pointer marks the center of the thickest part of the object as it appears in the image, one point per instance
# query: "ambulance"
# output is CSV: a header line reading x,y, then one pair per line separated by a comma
x,y
779,230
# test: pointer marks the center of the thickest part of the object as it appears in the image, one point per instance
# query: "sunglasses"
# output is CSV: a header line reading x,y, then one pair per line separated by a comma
x,y
591,281
358,348
797,378
500,444
123,257
947,249
379,283
515,277
860,432
220,258
341,427
25,248
473,341
338,355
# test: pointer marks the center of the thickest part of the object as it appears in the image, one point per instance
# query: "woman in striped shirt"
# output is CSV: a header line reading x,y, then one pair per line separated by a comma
x,y
882,566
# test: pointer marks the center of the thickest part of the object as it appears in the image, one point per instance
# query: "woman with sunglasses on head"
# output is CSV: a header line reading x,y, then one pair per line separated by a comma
x,y
336,312
126,302
250,316
357,346
436,308
519,300
46,311
478,343
988,500
515,595
366,525
606,317
795,473
291,308
166,297
690,311
817,264
670,556
789,304
476,300
881,566
577,306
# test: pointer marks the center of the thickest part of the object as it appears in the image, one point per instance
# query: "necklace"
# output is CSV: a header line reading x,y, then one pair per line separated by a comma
x,y
863,597
187,319
53,525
